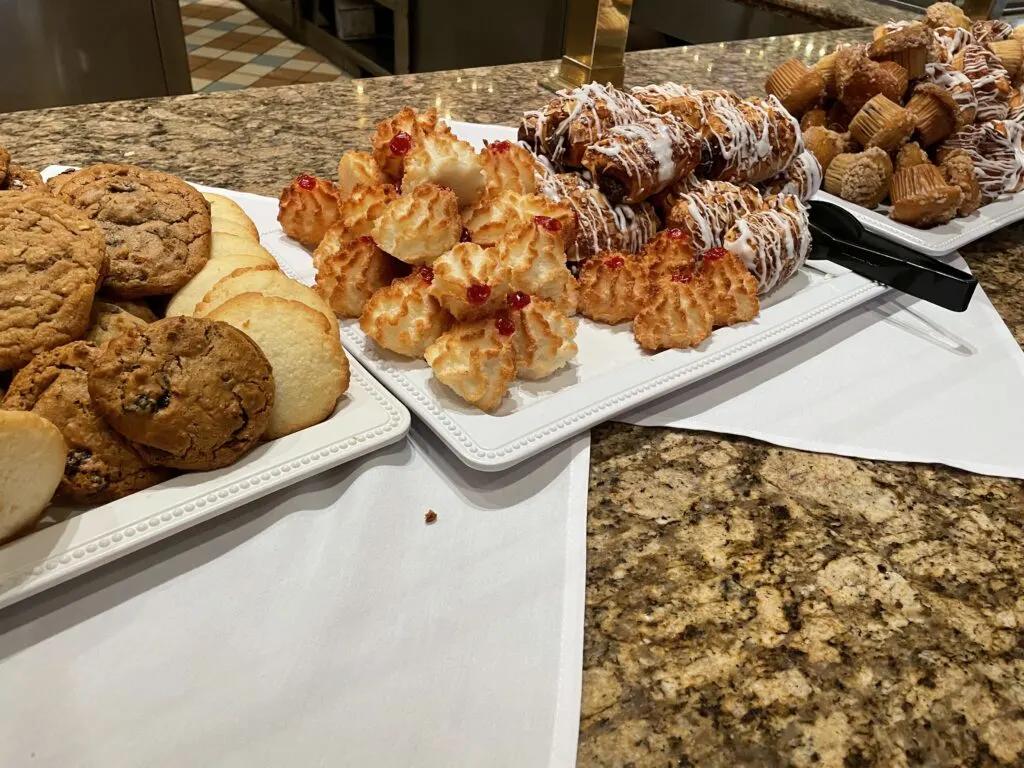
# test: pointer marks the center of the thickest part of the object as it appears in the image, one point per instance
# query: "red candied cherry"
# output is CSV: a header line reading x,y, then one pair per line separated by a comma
x,y
306,182
550,224
714,254
676,234
504,325
681,277
518,300
615,262
477,293
400,143
500,146
465,237
426,274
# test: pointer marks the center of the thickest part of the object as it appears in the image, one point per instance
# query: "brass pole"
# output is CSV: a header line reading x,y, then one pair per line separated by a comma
x,y
594,45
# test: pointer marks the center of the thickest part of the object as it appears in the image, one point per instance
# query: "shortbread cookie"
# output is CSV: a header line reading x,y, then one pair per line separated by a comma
x,y
234,228
268,283
227,244
32,454
52,259
157,227
101,465
184,302
109,321
310,368
189,393
225,209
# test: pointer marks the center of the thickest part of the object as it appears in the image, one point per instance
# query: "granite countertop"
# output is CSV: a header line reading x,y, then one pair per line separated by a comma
x,y
746,604
840,13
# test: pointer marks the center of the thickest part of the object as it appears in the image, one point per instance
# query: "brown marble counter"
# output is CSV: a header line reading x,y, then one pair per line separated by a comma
x,y
840,13
746,605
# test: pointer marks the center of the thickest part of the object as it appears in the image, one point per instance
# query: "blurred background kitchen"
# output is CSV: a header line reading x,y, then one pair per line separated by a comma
x,y
78,51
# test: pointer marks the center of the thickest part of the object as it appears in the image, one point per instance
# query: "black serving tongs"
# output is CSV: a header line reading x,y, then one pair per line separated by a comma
x,y
838,237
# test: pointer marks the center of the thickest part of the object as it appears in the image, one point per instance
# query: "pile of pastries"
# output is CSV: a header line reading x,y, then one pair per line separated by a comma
x,y
930,115
620,206
143,331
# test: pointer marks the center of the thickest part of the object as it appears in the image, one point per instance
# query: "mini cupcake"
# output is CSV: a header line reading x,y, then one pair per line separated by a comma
x,y
958,169
1009,53
894,81
910,154
823,144
814,117
796,85
959,88
922,198
882,123
934,113
946,15
862,178
826,67
909,47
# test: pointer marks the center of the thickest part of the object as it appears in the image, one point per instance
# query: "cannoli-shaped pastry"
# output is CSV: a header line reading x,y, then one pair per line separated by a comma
x,y
773,242
995,150
990,80
632,162
747,140
709,211
600,226
572,121
802,178
683,101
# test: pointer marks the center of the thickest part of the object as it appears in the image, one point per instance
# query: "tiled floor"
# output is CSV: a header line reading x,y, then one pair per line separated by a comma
x,y
230,47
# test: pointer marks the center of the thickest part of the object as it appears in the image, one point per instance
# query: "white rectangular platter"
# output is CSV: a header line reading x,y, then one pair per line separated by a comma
x,y
611,373
941,240
367,418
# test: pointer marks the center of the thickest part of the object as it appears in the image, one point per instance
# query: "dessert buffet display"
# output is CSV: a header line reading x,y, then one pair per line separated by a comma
x,y
479,262
928,116
144,332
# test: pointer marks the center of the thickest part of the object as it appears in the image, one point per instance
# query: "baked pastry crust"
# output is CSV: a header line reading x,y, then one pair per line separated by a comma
x,y
349,272
773,243
470,281
958,169
544,339
676,316
307,209
403,317
613,287
476,360
796,85
419,225
358,212
862,177
921,197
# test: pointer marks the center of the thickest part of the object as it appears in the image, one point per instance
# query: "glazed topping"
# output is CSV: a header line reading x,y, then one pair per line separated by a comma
x,y
615,262
400,143
306,182
550,224
477,294
505,325
465,237
517,300
426,274
714,254
500,146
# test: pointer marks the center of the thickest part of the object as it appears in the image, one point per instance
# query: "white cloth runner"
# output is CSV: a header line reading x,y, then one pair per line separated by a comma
x,y
325,625
897,380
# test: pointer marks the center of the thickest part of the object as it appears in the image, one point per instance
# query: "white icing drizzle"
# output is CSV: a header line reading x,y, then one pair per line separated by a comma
x,y
951,40
990,81
802,178
995,148
754,137
773,242
1016,112
991,30
652,153
707,212
958,85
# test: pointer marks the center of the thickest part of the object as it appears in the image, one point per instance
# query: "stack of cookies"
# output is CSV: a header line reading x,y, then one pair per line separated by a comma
x,y
143,331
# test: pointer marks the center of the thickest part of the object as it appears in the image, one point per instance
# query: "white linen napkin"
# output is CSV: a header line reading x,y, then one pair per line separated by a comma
x,y
897,380
324,625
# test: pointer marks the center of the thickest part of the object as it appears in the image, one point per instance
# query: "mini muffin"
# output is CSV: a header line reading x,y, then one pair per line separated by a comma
x,y
910,154
934,113
826,67
909,47
838,118
958,169
946,15
895,81
882,123
814,117
921,197
1009,53
858,78
824,145
862,178
796,85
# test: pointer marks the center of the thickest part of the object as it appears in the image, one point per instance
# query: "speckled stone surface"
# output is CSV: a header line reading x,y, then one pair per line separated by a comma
x,y
840,13
746,605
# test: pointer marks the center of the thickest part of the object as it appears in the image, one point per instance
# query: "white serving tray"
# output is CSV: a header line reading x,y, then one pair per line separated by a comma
x,y
611,373
941,240
367,418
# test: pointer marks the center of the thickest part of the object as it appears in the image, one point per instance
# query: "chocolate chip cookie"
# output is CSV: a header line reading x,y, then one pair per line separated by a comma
x,y
52,260
101,465
108,321
188,392
157,227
